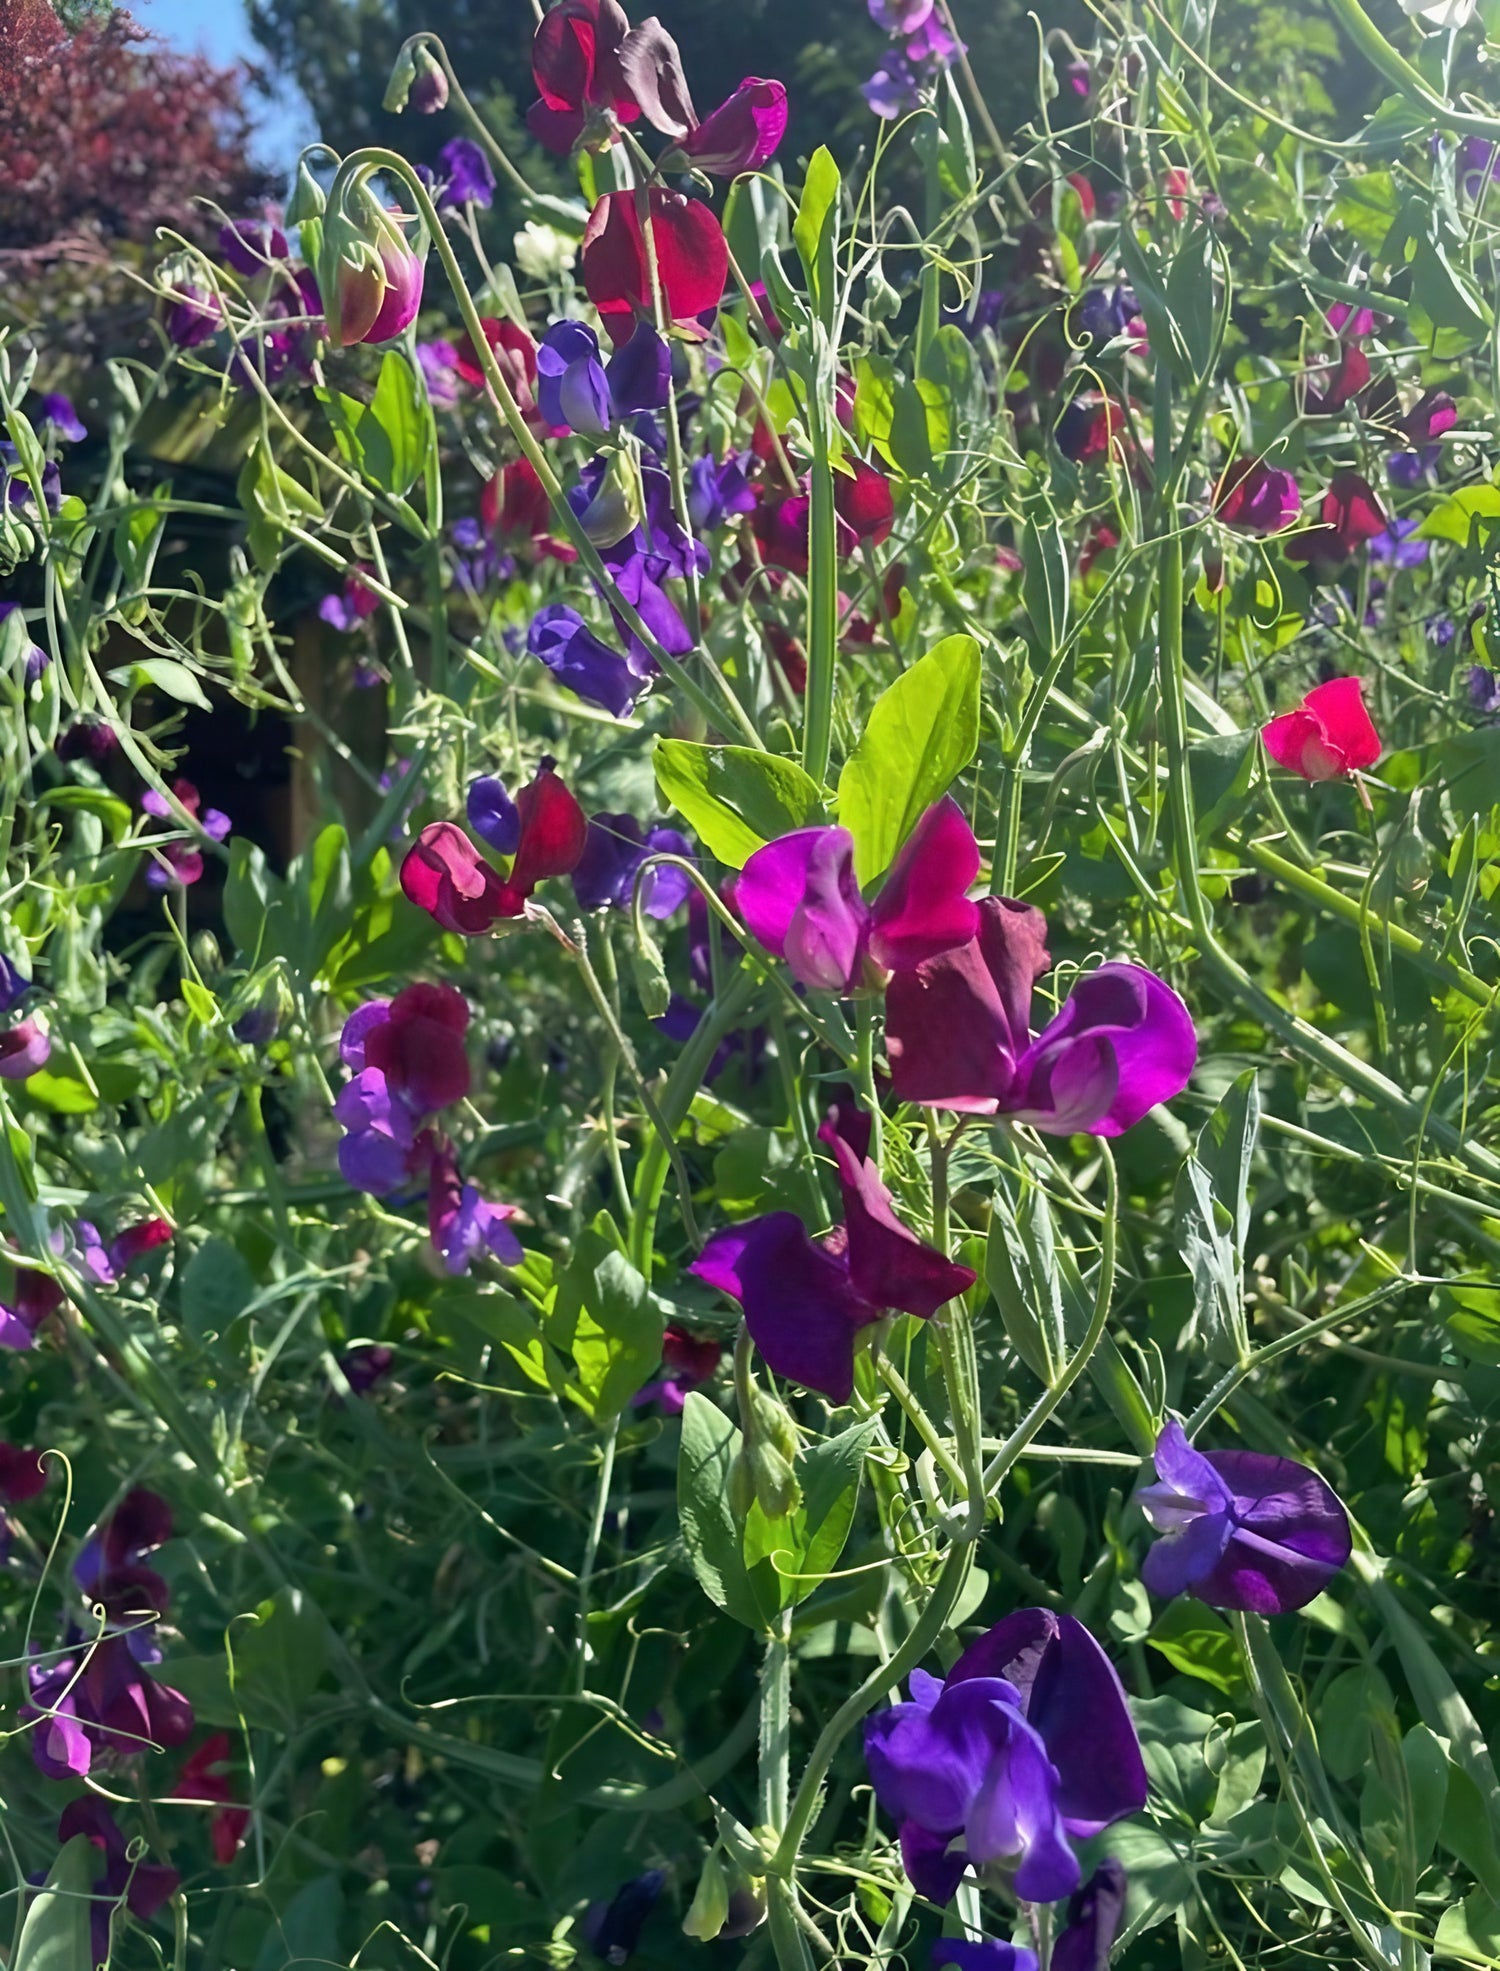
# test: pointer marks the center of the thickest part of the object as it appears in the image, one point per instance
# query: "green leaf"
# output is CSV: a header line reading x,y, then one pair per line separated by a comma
x,y
63,1094
1444,296
607,1320
923,731
56,1934
1454,518
175,679
216,1288
735,798
1470,1314
1046,577
710,1444
815,230
1220,769
279,1655
788,1557
254,913
1470,1931
393,431
1200,1644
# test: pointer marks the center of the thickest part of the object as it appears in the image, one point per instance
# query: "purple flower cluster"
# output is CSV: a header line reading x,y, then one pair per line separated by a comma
x,y
616,847
922,49
180,863
463,176
578,391
408,1059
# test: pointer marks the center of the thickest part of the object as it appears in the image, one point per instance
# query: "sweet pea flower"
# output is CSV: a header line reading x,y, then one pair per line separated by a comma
x,y
17,486
805,1301
355,603
715,491
34,1296
104,1702
1332,386
462,1224
799,898
688,1364
23,1476
577,391
192,315
958,1033
1351,514
463,176
180,862
1484,690
1257,498
1240,1529
205,1776
692,259
613,1929
416,1041
445,875
1025,1747
514,508
493,815
985,1954
1330,733
560,639
366,1364
438,361
106,1264
616,847
900,16
251,246
1091,426
1393,547
141,1887
743,133
24,1048
57,410
1095,1914
110,1566
575,60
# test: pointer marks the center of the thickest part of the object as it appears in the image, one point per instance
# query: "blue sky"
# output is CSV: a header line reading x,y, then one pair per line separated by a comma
x,y
219,28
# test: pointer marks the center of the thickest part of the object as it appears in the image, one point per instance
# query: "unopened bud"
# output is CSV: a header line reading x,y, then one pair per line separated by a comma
x,y
617,503
369,277
710,1906
741,1489
429,93
403,75
307,200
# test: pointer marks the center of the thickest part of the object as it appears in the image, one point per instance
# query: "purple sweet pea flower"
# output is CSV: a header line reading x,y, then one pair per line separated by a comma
x,y
463,1225
715,491
660,533
192,315
57,410
640,373
799,898
572,390
617,845
987,1955
562,641
355,603
24,1048
1478,163
894,89
34,1296
1026,1747
1484,690
14,985
493,815
439,364
613,1929
933,47
366,1364
144,1887
805,1302
1409,469
375,1154
639,580
958,1033
1394,547
1105,313
1240,1529
1094,1918
901,16
464,176
181,862
37,659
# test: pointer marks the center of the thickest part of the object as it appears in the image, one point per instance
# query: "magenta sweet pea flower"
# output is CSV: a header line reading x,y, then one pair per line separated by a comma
x,y
805,1301
1240,1529
1026,1747
1329,734
1257,498
743,133
23,1049
799,898
181,862
1351,514
408,1059
958,1033
687,1364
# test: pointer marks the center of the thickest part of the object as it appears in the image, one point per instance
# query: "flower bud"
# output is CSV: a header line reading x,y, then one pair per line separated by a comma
x,y
403,75
307,200
617,503
710,1905
429,93
370,279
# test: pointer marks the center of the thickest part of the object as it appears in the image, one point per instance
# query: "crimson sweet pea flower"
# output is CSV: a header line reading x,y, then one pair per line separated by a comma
x,y
445,875
514,349
575,60
799,898
204,1776
1257,498
1025,1747
692,259
806,1300
958,1033
1330,733
1240,1529
1330,388
1351,514
23,1049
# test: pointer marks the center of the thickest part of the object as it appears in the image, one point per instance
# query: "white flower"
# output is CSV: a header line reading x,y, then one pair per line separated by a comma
x,y
543,253
1441,13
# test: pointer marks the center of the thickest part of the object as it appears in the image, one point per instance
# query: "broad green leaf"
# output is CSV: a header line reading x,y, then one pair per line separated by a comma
x,y
1453,518
254,913
787,1558
709,1446
175,679
56,1935
815,230
1469,1932
1200,1644
734,798
279,1655
63,1094
392,429
923,731
1470,1314
607,1320
1220,768
216,1288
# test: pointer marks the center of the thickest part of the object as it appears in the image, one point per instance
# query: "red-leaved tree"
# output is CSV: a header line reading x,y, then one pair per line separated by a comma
x,y
105,132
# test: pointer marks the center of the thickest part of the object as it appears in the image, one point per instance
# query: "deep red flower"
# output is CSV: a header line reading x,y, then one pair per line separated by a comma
x,y
575,60
554,831
419,1046
1257,498
516,511
203,1777
137,1240
1351,514
864,502
692,259
1090,426
515,354
1329,734
22,1474
743,132
1332,386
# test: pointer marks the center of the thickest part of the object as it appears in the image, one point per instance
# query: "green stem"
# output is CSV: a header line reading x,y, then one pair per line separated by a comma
x,y
776,1726
822,600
